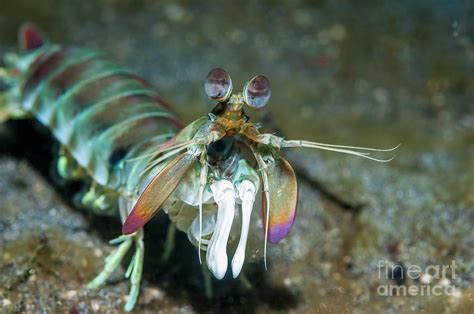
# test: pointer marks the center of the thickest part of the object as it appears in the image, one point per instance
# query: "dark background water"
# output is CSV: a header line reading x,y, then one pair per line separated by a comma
x,y
359,73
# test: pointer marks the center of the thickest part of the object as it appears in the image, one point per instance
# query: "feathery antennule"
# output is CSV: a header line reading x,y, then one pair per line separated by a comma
x,y
351,150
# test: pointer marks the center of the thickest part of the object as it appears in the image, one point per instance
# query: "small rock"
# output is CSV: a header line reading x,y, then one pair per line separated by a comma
x,y
95,305
69,294
445,282
152,294
426,279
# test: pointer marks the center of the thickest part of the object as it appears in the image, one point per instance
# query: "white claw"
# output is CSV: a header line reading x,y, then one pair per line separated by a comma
x,y
247,192
216,255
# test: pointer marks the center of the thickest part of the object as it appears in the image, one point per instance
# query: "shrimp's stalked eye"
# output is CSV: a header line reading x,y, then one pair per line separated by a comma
x,y
257,91
218,85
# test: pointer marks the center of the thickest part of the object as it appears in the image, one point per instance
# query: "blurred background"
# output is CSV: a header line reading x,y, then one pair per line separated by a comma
x,y
363,73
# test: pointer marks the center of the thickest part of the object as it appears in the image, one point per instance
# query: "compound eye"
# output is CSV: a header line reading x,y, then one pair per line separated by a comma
x,y
218,85
257,92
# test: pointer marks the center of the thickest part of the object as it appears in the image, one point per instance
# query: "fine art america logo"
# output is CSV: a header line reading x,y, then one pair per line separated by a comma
x,y
434,280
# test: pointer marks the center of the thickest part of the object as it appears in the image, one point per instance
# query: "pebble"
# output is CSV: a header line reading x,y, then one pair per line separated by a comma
x,y
426,279
95,305
98,252
151,294
445,282
71,294
337,32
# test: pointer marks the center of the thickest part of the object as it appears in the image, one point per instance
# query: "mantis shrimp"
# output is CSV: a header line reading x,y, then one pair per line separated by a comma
x,y
117,134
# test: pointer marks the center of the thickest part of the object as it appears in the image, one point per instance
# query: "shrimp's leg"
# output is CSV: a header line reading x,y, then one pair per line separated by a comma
x,y
245,282
112,262
68,168
206,274
100,200
169,242
135,270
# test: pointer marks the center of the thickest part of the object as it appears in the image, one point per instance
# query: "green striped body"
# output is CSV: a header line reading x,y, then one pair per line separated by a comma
x,y
104,115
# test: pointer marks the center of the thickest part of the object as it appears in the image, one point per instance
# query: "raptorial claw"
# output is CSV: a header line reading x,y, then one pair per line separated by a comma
x,y
247,191
216,255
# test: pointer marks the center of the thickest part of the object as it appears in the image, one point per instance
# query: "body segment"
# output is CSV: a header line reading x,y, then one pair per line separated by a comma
x,y
101,113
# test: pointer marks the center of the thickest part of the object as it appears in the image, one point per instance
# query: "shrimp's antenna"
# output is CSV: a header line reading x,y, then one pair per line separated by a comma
x,y
363,152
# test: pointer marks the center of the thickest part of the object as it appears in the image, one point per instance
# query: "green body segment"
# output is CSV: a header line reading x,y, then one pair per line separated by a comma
x,y
103,114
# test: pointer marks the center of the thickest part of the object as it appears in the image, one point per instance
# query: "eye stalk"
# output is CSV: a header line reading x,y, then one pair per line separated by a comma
x,y
218,85
257,91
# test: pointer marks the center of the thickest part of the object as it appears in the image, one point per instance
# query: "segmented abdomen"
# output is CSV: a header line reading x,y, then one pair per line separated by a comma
x,y
102,113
